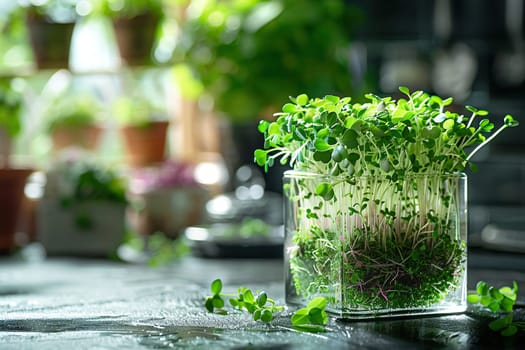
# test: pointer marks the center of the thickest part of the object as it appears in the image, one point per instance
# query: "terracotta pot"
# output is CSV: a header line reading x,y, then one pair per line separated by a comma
x,y
135,38
50,41
12,183
86,137
145,145
5,148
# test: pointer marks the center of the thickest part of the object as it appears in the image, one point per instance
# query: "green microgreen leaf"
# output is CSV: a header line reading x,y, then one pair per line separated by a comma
x,y
312,318
302,99
216,286
325,190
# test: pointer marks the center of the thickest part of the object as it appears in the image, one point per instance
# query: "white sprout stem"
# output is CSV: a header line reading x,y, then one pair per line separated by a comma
x,y
481,145
471,120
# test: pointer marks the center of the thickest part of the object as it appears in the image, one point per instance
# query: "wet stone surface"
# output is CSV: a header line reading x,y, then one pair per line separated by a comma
x,y
90,304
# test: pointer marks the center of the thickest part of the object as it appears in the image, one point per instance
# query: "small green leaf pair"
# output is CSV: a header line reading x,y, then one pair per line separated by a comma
x,y
312,318
215,303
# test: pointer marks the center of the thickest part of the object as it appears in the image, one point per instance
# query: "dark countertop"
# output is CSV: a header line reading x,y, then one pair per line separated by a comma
x,y
63,303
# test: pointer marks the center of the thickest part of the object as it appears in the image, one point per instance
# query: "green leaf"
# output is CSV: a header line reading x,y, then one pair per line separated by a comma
x,y
209,304
349,139
302,99
448,124
493,306
485,300
261,299
316,316
325,190
266,315
260,157
218,302
437,100
322,133
473,298
510,121
332,98
317,302
300,317
404,90
482,288
350,121
263,126
324,157
274,129
507,304
289,108
248,296
471,109
321,145
339,153
216,286
448,101
495,293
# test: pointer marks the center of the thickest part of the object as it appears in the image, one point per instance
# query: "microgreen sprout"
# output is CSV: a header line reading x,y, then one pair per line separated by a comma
x,y
312,318
498,300
259,305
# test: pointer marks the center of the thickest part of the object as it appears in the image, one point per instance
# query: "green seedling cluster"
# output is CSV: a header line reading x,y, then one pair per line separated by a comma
x,y
259,305
376,196
498,300
413,135
312,318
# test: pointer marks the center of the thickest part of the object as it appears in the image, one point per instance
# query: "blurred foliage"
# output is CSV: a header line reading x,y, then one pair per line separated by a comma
x,y
73,111
251,55
83,181
11,103
127,8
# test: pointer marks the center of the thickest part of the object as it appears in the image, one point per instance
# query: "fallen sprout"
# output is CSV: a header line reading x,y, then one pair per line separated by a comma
x,y
312,318
498,300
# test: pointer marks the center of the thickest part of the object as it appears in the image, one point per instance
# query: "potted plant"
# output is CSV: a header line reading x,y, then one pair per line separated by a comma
x,y
249,55
166,199
12,180
73,121
143,127
15,51
50,26
82,211
135,23
376,201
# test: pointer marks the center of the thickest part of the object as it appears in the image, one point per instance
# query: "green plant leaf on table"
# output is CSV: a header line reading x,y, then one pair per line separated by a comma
x,y
259,305
312,318
498,300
